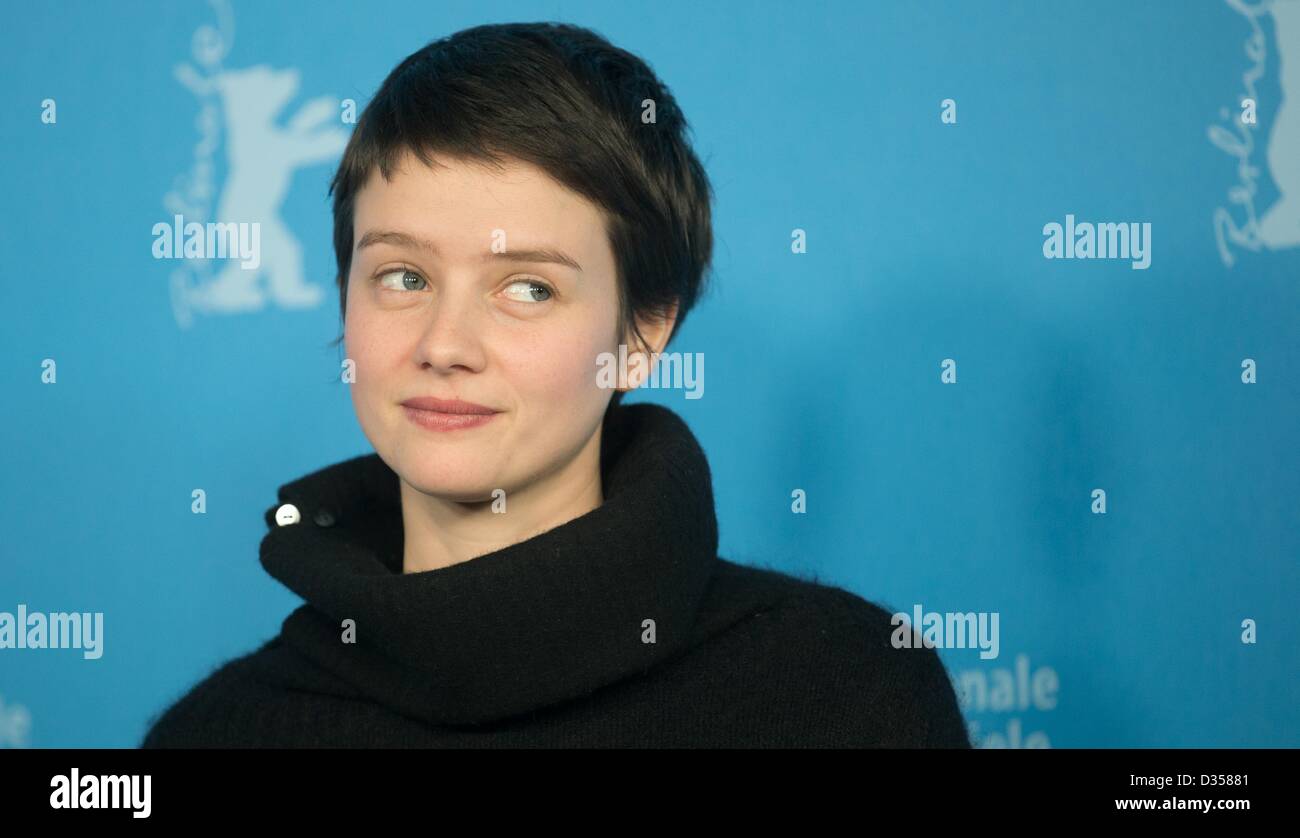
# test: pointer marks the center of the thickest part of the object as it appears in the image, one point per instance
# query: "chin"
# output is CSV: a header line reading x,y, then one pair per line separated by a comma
x,y
463,482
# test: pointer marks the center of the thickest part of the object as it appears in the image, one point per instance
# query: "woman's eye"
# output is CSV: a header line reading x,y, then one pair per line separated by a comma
x,y
528,291
407,280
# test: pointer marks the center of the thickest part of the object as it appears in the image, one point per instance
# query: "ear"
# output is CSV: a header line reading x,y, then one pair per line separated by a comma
x,y
656,329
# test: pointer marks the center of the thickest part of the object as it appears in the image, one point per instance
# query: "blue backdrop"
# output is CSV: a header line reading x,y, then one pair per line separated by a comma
x,y
1169,618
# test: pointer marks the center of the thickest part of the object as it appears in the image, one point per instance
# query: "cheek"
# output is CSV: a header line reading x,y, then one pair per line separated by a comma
x,y
374,351
560,365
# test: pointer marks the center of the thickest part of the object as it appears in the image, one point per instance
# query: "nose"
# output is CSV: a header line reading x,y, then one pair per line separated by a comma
x,y
452,339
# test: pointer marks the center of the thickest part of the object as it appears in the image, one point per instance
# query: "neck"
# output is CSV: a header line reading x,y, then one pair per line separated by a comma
x,y
440,533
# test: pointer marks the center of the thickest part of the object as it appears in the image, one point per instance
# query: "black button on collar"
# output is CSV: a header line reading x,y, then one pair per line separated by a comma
x,y
323,518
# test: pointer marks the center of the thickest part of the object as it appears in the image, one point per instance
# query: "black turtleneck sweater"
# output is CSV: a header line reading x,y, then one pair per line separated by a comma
x,y
548,642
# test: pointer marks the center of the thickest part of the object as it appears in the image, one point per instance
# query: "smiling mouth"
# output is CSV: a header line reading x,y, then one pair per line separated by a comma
x,y
440,415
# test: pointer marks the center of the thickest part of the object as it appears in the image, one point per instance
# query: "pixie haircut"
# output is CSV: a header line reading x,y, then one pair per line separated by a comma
x,y
564,99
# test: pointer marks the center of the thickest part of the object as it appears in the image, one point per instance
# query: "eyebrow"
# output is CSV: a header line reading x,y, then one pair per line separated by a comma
x,y
544,254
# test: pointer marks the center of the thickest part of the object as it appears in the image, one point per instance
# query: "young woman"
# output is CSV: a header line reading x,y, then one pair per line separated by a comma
x,y
524,561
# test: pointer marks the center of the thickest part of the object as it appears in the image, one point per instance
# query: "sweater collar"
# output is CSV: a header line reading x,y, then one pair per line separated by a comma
x,y
551,618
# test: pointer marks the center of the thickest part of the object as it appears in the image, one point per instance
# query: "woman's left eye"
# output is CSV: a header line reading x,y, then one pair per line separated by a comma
x,y
528,291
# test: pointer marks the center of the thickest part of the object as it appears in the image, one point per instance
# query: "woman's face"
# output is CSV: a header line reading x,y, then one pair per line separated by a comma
x,y
452,295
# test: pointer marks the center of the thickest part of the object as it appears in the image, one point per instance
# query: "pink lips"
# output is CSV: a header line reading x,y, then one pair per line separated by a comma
x,y
446,414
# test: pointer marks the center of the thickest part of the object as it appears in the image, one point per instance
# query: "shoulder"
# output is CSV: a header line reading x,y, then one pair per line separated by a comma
x,y
824,644
226,707
185,723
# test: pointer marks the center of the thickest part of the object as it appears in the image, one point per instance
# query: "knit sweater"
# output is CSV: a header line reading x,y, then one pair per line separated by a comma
x,y
620,628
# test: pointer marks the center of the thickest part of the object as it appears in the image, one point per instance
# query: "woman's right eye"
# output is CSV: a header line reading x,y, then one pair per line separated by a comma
x,y
406,279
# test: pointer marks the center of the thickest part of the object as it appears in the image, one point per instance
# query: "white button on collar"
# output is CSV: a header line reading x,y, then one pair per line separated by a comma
x,y
287,514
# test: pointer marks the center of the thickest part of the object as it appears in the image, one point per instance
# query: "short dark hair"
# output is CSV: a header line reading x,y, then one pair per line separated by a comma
x,y
564,99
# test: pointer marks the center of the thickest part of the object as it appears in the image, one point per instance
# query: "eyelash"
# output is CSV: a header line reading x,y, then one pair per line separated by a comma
x,y
403,269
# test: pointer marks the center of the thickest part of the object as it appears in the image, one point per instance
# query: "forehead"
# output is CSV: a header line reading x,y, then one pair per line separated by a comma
x,y
469,199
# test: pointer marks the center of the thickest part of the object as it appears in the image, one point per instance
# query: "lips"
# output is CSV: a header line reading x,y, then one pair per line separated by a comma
x,y
452,406
447,414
